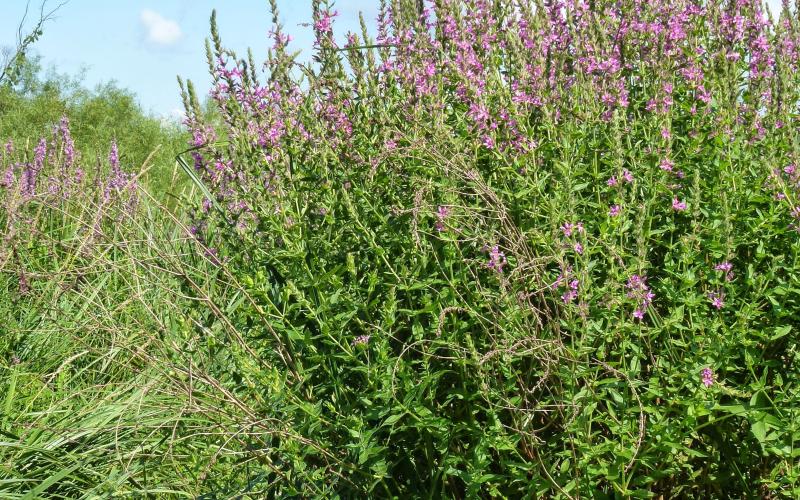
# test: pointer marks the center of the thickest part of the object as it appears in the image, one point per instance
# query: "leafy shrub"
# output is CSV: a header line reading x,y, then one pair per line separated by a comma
x,y
507,250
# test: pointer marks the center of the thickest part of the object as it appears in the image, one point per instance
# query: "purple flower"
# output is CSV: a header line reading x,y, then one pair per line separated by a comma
x,y
578,248
361,340
113,157
325,22
567,228
707,377
666,165
497,259
639,292
612,181
724,266
716,299
627,175
614,210
8,178
572,293
727,268
117,180
733,56
69,144
31,171
441,215
677,205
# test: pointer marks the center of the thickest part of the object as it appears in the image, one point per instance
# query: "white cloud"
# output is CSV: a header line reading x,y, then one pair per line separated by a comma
x,y
174,117
160,30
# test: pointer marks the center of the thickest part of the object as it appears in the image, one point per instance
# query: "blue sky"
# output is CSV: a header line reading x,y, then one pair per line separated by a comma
x,y
143,45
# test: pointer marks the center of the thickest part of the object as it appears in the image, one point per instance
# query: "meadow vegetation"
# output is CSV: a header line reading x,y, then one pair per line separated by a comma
x,y
38,98
493,250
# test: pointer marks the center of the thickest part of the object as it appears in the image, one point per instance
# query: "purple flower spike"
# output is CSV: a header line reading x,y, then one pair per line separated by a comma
x,y
708,377
497,259
639,292
441,216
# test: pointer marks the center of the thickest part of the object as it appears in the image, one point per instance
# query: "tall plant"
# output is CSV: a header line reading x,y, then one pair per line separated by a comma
x,y
508,249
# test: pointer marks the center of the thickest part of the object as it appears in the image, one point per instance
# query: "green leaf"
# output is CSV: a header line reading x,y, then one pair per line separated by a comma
x,y
759,430
392,419
781,331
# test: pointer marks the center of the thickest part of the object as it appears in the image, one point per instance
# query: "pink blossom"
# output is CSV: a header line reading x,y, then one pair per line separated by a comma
x,y
441,215
716,299
639,292
325,22
361,340
572,293
569,296
723,266
627,175
568,227
497,259
707,377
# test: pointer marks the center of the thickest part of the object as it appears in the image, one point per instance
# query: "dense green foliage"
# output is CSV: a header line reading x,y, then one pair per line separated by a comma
x,y
498,252
467,286
39,99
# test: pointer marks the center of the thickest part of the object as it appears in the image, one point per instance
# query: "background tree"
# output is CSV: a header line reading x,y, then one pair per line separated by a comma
x,y
12,59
